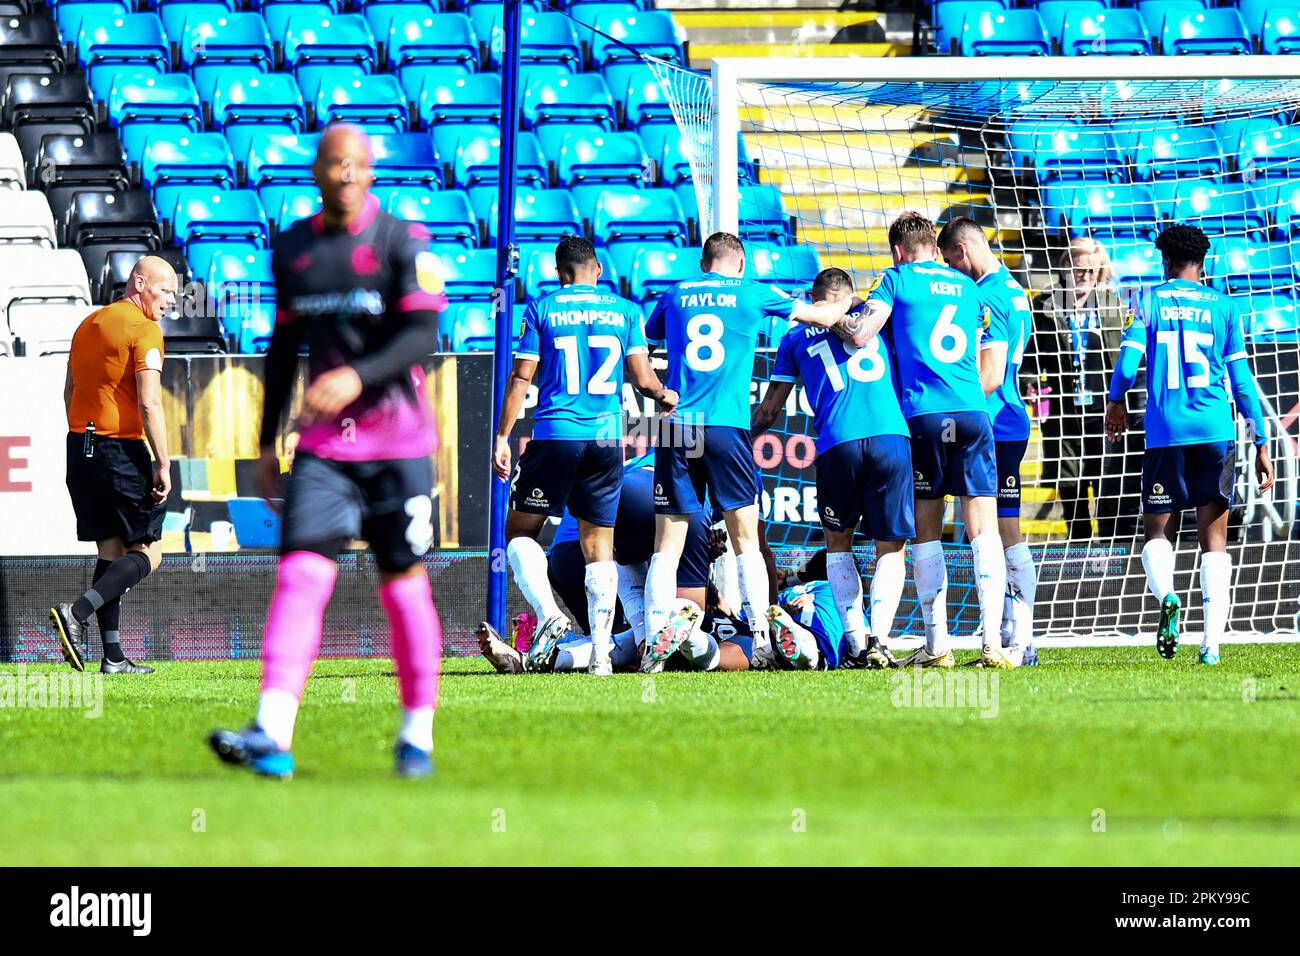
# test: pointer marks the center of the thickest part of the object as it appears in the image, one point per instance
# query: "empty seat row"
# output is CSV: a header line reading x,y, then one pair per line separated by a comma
x,y
1137,209
1090,28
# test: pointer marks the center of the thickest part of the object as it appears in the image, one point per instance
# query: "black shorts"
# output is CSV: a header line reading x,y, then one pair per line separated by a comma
x,y
110,491
1010,454
585,476
1188,476
867,483
388,503
699,459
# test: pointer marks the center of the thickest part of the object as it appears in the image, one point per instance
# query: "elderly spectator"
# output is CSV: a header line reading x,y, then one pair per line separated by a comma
x,y
1078,322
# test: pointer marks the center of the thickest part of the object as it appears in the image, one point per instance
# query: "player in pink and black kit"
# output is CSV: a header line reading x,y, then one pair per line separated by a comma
x,y
358,288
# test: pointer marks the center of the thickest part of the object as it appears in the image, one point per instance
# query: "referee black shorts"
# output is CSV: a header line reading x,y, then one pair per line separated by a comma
x,y
111,493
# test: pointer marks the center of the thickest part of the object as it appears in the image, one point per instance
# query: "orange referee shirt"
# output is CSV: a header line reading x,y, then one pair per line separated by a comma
x,y
108,348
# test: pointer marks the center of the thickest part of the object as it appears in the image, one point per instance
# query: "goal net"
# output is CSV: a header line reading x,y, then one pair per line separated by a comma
x,y
1071,166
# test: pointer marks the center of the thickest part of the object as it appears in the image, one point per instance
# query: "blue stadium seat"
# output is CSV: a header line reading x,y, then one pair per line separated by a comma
x,y
466,273
601,158
243,287
1005,33
375,103
292,203
652,33
1220,30
762,215
656,266
1270,153
583,98
478,161
543,38
1166,151
1117,32
245,101
1054,12
174,13
140,102
950,19
1153,12
1282,201
665,145
204,214
790,268
211,44
1280,33
380,15
537,266
278,14
486,17
1069,151
1136,263
277,158
1237,266
1218,209
470,326
541,215
323,49
1253,11
174,160
405,158
690,203
68,14
108,43
1117,208
446,139
442,38
637,94
1271,314
587,11
447,215
1230,130
472,98
628,214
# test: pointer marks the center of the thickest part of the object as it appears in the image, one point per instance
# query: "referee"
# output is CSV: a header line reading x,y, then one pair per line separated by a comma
x,y
113,398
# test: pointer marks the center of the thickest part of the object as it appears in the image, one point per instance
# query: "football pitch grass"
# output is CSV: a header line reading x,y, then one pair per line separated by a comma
x,y
1100,756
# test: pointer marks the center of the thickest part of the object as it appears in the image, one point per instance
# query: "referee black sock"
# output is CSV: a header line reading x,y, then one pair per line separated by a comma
x,y
122,575
108,617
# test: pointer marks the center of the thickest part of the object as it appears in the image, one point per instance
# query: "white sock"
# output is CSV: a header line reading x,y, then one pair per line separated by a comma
x,y
886,592
574,655
660,592
932,591
1022,577
751,570
726,577
702,650
417,727
277,711
631,591
627,649
1158,560
528,561
1216,592
846,586
602,593
990,568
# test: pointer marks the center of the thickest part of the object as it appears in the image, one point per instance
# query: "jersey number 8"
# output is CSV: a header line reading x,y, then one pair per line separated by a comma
x,y
704,349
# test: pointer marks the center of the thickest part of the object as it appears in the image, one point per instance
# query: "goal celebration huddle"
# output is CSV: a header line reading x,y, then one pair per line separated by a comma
x,y
914,386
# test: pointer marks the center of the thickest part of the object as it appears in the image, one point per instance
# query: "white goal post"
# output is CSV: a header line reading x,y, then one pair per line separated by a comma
x,y
1048,153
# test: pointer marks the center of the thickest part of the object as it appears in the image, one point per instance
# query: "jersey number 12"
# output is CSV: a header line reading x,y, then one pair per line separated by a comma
x,y
602,382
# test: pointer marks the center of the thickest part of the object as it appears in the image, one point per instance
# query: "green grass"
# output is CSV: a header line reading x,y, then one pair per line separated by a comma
x,y
680,769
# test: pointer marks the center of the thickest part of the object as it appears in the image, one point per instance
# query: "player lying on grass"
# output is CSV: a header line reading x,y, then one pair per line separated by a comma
x,y
1191,338
720,625
864,460
580,338
1008,324
935,320
711,326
